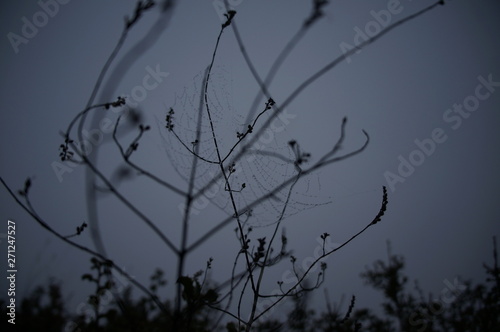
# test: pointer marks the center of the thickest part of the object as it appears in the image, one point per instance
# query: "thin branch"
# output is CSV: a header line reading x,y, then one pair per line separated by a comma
x,y
31,211
125,201
129,23
139,169
229,15
224,311
249,130
273,191
79,230
375,220
119,102
103,73
115,77
192,150
268,251
280,59
354,50
189,200
313,78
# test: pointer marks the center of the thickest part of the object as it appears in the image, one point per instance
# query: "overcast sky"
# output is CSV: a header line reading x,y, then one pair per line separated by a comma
x,y
426,93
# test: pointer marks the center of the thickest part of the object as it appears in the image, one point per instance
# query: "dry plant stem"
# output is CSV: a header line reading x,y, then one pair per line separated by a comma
x,y
129,23
31,211
287,101
112,189
323,71
306,273
192,150
242,293
255,287
81,114
226,312
189,200
268,251
221,162
274,68
349,310
354,50
108,89
309,81
287,50
125,201
141,170
190,195
323,161
232,285
231,150
276,189
267,107
90,183
100,78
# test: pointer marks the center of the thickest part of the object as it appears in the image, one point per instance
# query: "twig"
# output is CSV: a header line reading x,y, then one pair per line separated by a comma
x,y
189,200
125,201
274,190
30,210
140,169
313,264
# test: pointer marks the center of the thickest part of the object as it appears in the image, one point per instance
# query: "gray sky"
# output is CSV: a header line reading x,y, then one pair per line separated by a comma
x,y
404,90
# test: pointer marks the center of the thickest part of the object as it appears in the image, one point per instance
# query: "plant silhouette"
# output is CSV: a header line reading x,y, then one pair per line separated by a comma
x,y
475,308
201,304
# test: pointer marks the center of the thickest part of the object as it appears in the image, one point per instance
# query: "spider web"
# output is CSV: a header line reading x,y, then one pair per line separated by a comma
x,y
266,165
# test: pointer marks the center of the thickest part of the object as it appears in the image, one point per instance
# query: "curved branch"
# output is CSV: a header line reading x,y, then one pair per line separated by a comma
x,y
31,211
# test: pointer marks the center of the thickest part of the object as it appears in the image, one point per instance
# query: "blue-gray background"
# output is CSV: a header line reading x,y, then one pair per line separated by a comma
x,y
442,218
